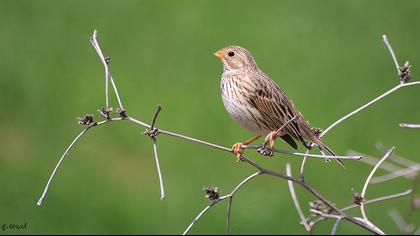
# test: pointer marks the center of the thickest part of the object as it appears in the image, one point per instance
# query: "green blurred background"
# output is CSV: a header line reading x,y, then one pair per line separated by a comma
x,y
327,55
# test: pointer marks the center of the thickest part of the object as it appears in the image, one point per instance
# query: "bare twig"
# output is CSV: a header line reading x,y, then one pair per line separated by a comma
x,y
410,173
375,200
228,196
394,157
326,215
412,126
153,133
391,51
162,189
303,220
41,199
305,154
370,225
373,161
362,205
105,62
400,222
334,229
380,199
396,88
202,213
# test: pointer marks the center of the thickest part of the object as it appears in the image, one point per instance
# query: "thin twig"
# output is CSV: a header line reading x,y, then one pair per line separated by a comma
x,y
396,88
326,215
375,200
287,123
153,133
108,76
391,51
380,199
66,152
392,90
410,173
400,222
307,155
201,214
412,126
373,161
362,205
370,225
228,196
162,189
95,45
394,157
295,200
334,229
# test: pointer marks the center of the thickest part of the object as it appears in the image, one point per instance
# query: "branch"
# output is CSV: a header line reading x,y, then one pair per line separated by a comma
x,y
105,62
334,229
152,134
410,172
306,154
41,199
396,88
391,51
303,220
373,161
375,200
400,222
412,126
395,158
228,196
362,205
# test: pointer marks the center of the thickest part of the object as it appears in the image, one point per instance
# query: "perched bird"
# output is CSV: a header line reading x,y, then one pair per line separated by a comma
x,y
258,104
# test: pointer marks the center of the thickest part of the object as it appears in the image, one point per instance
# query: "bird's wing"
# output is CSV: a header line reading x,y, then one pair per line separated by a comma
x,y
275,106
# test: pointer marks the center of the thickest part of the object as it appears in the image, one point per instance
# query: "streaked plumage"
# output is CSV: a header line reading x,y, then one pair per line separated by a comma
x,y
257,103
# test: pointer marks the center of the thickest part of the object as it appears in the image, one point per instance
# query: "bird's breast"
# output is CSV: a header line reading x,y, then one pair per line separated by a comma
x,y
236,91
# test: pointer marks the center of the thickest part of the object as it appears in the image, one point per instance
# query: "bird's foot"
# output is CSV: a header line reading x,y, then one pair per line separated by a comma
x,y
268,146
238,150
265,151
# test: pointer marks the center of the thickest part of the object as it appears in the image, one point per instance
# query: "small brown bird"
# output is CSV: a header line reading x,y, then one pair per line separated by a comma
x,y
258,104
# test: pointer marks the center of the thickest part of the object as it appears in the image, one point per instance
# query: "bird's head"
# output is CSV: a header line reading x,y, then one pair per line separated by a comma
x,y
236,58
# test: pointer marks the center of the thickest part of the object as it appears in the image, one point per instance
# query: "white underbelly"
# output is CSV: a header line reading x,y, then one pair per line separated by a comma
x,y
247,116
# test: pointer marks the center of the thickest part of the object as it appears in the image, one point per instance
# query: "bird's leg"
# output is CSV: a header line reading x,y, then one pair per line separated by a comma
x,y
238,150
270,141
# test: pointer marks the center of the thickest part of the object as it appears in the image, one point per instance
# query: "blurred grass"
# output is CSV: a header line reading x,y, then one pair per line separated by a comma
x,y
327,55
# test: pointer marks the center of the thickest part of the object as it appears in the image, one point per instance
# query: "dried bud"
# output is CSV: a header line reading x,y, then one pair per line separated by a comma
x,y
357,197
318,205
107,60
212,193
153,133
121,113
87,120
405,73
104,112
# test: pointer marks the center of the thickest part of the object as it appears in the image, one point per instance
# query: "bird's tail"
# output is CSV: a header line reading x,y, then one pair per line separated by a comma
x,y
324,147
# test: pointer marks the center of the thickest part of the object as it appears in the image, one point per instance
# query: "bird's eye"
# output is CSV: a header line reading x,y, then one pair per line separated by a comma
x,y
231,54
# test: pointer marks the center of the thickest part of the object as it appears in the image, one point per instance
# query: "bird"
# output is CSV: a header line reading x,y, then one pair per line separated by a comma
x,y
260,106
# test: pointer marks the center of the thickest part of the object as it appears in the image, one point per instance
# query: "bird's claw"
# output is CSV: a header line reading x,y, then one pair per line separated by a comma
x,y
265,151
238,150
268,146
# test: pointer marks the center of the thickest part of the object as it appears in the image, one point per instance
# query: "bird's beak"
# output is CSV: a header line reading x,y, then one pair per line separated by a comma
x,y
219,54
